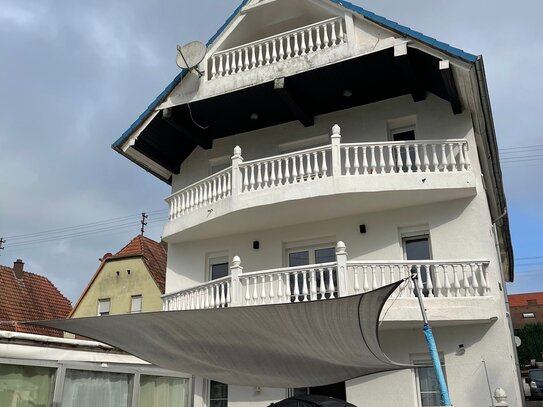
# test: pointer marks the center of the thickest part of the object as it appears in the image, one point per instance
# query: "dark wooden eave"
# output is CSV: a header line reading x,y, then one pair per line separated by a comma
x,y
171,136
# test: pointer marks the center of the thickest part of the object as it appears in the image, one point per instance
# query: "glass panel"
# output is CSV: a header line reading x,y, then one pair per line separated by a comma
x,y
92,389
431,399
326,255
428,386
26,386
417,249
218,394
163,391
219,270
103,306
298,258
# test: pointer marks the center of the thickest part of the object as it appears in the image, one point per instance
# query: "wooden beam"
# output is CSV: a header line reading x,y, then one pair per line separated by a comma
x,y
306,118
450,86
197,138
402,60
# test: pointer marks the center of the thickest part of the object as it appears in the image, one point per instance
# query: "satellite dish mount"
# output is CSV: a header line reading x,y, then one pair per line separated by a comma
x,y
190,55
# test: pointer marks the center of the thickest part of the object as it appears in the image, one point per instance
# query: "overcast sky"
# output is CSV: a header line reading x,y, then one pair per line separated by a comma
x,y
75,74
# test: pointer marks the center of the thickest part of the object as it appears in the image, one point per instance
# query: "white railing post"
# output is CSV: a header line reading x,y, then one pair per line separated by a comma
x,y
341,272
235,286
237,177
336,151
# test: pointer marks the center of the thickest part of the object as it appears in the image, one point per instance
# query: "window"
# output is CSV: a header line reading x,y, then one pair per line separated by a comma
x,y
528,315
135,303
83,388
163,391
404,134
218,394
219,164
103,306
218,267
26,385
303,256
427,383
417,247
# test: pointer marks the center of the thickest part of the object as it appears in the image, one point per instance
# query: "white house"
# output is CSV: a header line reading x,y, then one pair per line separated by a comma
x,y
326,151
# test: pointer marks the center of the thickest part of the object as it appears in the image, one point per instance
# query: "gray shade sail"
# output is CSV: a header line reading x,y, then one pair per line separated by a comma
x,y
281,345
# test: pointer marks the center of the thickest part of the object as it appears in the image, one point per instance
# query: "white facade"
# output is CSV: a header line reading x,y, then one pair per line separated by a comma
x,y
346,183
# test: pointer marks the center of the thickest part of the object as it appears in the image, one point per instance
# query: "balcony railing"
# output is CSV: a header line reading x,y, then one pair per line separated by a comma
x,y
291,44
435,279
316,164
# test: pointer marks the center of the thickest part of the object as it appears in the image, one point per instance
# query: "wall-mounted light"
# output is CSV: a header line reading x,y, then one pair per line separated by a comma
x,y
461,350
254,116
256,245
128,271
362,229
347,93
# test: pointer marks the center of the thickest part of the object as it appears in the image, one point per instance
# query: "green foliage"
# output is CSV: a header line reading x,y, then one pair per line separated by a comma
x,y
531,347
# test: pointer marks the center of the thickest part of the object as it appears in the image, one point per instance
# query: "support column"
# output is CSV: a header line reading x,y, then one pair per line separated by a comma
x,y
237,178
336,151
235,287
341,258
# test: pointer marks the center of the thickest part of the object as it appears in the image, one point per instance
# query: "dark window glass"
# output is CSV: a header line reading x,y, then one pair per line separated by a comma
x,y
218,394
325,255
408,135
298,259
418,248
219,270
404,135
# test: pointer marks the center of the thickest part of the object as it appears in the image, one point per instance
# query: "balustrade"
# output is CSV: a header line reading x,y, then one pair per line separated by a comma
x,y
315,282
405,157
434,278
284,46
316,164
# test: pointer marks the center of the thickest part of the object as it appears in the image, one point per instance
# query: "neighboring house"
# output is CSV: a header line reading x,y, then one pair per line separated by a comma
x,y
27,296
526,309
332,151
132,280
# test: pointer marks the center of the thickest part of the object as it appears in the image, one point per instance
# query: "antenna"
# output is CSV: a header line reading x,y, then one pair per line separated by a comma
x,y
190,55
2,241
144,217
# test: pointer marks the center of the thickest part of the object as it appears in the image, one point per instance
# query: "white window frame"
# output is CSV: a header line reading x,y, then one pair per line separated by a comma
x,y
528,315
400,125
104,301
424,359
307,245
208,392
222,161
412,233
216,258
132,311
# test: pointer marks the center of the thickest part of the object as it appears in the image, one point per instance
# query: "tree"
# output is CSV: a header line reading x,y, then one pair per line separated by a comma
x,y
531,347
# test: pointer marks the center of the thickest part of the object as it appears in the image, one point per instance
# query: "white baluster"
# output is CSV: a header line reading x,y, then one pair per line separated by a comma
x,y
399,164
465,281
296,47
447,283
301,170
268,57
266,177
234,64
408,161
226,64
220,71
280,288
223,297
466,156
271,293
333,37
294,169
296,287
474,282
252,182
247,61
456,281
228,296
435,162
331,286
247,291
374,284
316,169
303,47
318,38
356,285
245,179
417,157
324,165
325,39
429,281
272,173
322,288
309,40
260,55
437,282
287,171
444,162
381,160
240,60
253,57
255,291
373,163
365,284
274,51
288,52
213,67
305,290
483,277
453,159
279,172
341,34
312,285
288,293
263,289
461,159
347,160
425,161
356,164
258,176
309,170
281,50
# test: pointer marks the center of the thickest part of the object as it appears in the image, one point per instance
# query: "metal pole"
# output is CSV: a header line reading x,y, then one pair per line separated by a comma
x,y
432,346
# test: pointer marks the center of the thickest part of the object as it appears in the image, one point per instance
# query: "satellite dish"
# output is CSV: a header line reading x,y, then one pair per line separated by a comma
x,y
518,341
190,55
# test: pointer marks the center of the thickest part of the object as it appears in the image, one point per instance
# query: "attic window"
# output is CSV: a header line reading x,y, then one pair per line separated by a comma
x,y
104,306
528,315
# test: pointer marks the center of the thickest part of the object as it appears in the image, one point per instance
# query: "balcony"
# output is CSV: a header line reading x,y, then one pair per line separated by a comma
x,y
350,177
456,290
310,40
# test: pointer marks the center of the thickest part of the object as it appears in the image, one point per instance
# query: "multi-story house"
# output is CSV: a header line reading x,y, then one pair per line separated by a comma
x,y
321,151
131,280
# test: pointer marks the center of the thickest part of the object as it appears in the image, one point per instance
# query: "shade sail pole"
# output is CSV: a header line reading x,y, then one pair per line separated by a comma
x,y
432,346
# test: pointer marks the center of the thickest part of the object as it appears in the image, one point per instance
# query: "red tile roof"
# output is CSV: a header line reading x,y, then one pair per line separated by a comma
x,y
152,253
154,256
30,298
521,300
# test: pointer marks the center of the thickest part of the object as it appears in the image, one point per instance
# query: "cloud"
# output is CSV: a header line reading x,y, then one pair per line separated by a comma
x,y
19,16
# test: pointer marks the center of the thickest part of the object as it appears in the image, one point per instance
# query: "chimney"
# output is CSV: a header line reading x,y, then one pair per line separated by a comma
x,y
18,268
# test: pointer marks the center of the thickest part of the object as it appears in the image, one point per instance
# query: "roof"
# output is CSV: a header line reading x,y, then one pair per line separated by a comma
x,y
152,253
154,257
392,25
521,300
33,297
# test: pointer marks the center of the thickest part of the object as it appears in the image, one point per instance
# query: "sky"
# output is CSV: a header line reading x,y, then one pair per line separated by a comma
x,y
75,75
